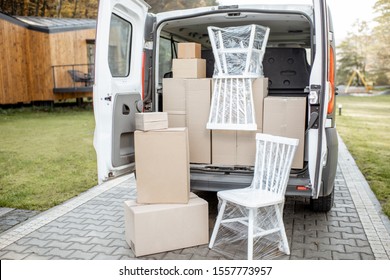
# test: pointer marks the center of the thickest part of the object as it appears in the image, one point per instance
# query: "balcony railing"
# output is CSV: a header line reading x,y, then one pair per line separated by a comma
x,y
73,78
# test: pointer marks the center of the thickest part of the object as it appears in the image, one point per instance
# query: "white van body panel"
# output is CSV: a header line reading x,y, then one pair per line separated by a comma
x,y
107,88
318,72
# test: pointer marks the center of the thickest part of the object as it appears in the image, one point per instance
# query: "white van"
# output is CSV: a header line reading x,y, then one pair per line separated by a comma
x,y
130,68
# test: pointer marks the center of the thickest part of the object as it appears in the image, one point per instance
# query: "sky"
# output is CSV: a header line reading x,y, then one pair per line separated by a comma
x,y
344,12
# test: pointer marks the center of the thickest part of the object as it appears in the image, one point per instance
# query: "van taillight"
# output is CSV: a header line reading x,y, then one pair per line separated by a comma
x,y
331,80
302,188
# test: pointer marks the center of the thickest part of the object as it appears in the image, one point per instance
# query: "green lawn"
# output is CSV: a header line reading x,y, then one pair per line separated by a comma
x,y
365,128
46,156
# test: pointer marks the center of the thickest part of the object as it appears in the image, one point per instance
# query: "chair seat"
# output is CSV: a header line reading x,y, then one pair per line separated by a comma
x,y
250,198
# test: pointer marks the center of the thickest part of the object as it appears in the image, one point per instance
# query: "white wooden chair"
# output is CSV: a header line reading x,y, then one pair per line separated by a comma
x,y
238,53
232,106
274,157
238,50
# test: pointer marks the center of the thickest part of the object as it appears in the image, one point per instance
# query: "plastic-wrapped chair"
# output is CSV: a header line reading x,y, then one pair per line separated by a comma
x,y
260,206
238,50
232,106
238,53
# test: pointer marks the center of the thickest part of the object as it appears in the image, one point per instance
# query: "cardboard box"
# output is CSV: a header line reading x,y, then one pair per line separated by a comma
x,y
189,50
260,91
239,147
174,98
194,68
224,147
285,116
156,228
177,119
151,121
246,147
162,166
198,100
187,102
234,147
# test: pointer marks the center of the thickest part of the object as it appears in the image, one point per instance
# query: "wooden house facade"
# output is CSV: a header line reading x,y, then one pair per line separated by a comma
x,y
41,59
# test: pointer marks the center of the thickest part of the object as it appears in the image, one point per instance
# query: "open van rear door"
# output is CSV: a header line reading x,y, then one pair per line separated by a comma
x,y
318,97
117,93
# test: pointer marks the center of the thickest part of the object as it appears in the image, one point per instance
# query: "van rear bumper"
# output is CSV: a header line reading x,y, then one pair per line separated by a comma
x,y
218,181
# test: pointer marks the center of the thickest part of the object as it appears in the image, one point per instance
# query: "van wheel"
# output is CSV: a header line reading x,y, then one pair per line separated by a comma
x,y
323,203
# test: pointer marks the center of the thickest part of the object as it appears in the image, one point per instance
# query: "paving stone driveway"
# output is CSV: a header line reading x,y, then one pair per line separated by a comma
x,y
91,227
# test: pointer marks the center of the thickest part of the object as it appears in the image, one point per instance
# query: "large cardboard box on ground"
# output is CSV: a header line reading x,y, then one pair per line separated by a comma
x,y
189,50
193,68
188,101
155,228
151,121
162,166
285,116
239,147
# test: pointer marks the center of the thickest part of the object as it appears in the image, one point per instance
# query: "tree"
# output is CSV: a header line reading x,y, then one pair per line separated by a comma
x,y
353,52
167,5
85,8
381,41
348,60
58,8
50,8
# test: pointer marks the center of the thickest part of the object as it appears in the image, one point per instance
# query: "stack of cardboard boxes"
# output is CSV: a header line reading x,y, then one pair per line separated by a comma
x,y
186,99
165,216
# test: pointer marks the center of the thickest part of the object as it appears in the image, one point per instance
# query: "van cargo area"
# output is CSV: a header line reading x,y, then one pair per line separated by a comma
x,y
274,73
183,87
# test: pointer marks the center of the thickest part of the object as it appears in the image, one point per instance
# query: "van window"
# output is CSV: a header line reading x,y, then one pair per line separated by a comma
x,y
119,48
166,54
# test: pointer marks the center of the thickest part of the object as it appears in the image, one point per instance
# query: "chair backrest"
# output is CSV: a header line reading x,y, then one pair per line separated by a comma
x,y
274,156
238,50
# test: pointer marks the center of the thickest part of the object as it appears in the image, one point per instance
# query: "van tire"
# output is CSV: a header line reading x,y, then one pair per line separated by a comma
x,y
323,203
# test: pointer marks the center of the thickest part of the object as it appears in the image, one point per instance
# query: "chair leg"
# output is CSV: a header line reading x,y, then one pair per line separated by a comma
x,y
250,233
217,224
279,210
